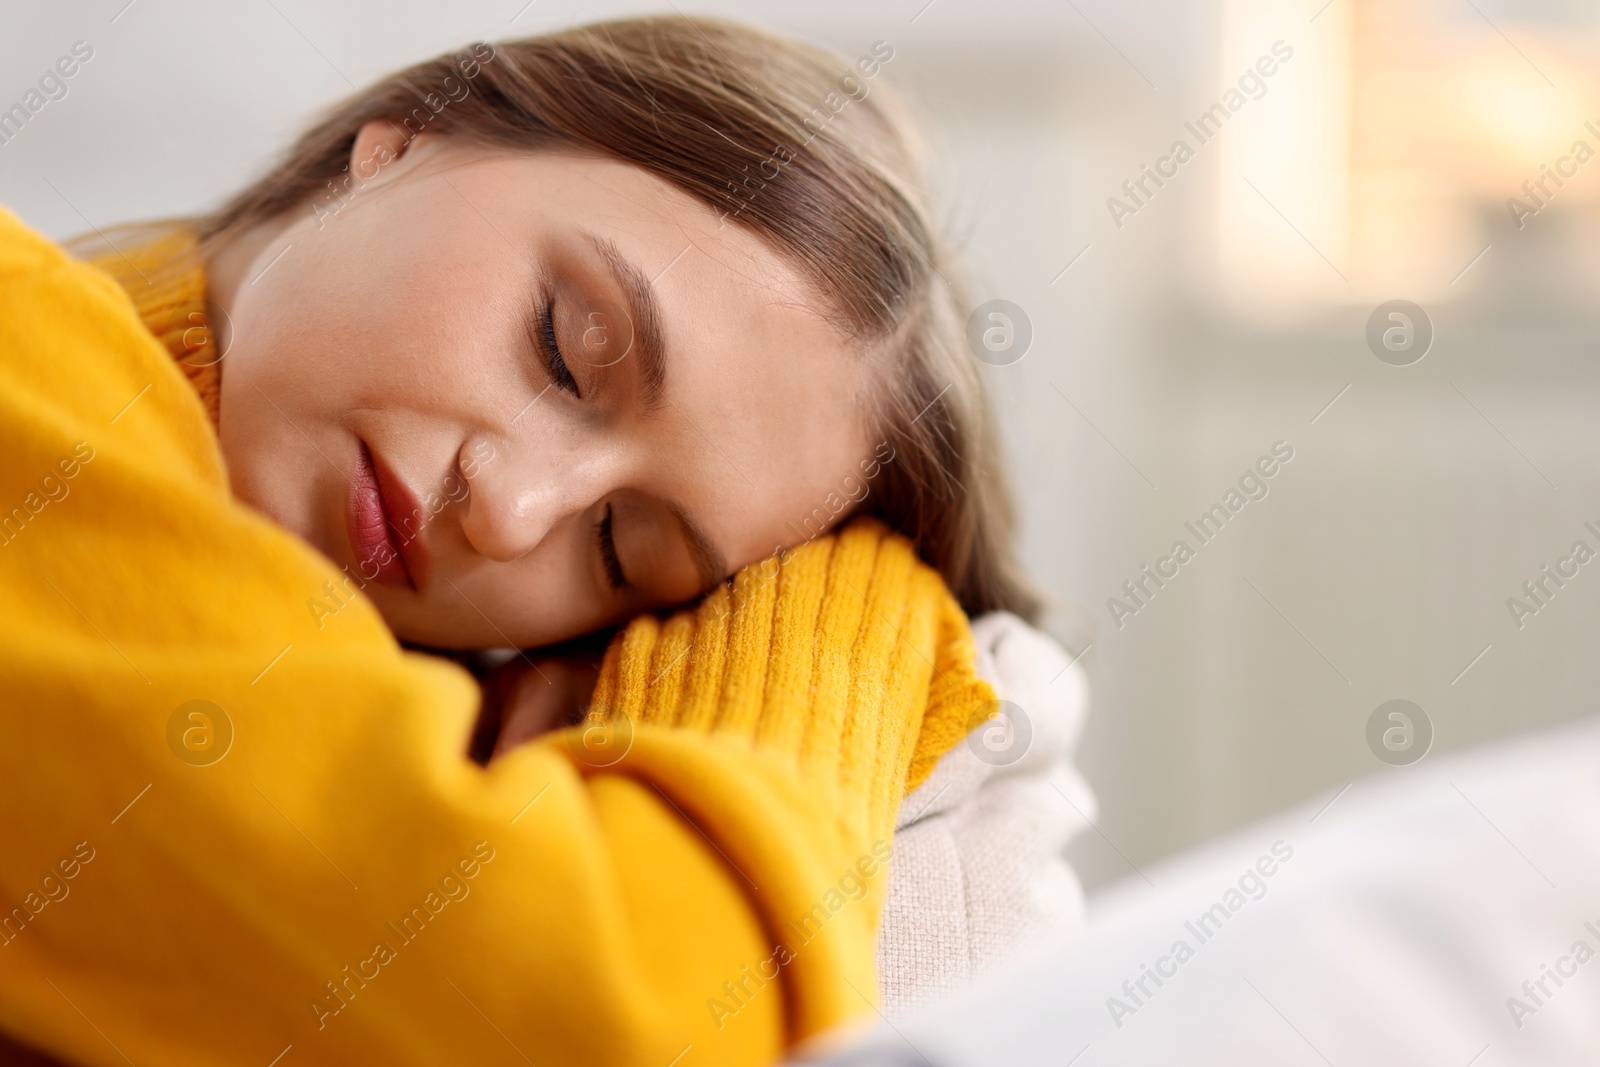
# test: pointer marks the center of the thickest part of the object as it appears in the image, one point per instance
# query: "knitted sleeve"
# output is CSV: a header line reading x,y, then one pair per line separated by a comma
x,y
842,671
846,658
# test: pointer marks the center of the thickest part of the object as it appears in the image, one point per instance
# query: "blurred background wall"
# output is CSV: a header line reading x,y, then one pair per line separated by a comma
x,y
1176,337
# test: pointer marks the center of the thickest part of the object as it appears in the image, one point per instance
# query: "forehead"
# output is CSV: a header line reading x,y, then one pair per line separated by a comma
x,y
657,221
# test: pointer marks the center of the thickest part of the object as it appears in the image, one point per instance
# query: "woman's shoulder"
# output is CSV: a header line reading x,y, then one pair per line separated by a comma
x,y
76,357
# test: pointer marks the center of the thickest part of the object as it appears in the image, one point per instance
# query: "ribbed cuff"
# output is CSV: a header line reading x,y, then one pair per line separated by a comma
x,y
848,656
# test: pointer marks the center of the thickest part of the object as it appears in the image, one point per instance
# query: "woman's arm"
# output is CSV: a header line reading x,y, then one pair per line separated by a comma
x,y
534,693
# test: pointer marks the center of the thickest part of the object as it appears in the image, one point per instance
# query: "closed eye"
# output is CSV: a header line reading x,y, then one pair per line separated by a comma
x,y
550,349
608,553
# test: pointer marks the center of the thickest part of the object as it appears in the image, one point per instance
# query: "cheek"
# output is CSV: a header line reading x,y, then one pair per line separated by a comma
x,y
299,487
397,304
355,332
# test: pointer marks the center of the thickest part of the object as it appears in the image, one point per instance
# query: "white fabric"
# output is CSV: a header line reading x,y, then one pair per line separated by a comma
x,y
1418,920
978,871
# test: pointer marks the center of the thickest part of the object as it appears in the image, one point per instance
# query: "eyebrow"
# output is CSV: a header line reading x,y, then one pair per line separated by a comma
x,y
708,559
648,334
649,338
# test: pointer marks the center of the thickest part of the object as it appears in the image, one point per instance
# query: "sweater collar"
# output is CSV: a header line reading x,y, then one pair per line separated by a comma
x,y
163,274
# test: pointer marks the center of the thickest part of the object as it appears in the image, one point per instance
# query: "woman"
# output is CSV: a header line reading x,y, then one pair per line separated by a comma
x,y
525,341
535,338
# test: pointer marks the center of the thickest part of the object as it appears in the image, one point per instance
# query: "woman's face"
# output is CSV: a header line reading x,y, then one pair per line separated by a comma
x,y
522,397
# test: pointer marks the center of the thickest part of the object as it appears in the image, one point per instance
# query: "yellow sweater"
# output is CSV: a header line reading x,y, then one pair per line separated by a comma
x,y
164,274
228,836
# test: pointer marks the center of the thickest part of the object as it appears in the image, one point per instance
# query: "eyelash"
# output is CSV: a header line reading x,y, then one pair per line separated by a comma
x,y
554,362
608,552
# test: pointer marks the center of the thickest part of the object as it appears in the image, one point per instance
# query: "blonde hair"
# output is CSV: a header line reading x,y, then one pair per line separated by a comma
x,y
786,140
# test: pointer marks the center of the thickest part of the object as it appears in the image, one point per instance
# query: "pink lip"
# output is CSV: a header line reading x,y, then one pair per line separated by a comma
x,y
384,521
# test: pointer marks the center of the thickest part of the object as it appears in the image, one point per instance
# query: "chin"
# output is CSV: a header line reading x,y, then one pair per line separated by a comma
x,y
402,621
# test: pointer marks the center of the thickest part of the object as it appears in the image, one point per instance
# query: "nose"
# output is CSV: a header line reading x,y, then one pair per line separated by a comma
x,y
515,500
